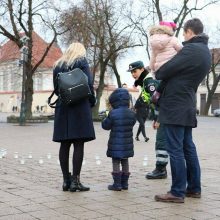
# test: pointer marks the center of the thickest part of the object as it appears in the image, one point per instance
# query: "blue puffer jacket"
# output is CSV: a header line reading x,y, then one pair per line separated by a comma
x,y
120,121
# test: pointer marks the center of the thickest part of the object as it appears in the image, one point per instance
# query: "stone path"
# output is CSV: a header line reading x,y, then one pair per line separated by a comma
x,y
33,191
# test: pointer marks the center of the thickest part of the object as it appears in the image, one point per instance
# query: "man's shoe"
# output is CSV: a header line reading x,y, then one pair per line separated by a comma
x,y
157,174
146,139
169,198
193,194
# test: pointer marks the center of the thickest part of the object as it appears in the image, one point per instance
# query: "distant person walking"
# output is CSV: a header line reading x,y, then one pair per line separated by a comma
x,y
131,105
120,121
73,124
142,111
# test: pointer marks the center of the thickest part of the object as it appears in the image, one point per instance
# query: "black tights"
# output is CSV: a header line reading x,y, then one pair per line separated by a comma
x,y
141,128
77,159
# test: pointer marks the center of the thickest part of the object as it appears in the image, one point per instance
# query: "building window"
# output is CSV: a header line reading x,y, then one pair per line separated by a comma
x,y
37,82
1,82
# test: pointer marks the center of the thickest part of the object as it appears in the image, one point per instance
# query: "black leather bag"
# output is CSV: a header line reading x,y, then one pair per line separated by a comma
x,y
72,87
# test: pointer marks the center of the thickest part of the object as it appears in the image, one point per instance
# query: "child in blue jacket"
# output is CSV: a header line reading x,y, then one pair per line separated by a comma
x,y
120,121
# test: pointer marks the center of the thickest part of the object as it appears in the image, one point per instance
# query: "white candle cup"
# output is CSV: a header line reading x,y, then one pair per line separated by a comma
x,y
97,157
84,162
144,163
16,155
145,158
98,162
22,160
4,152
41,160
30,155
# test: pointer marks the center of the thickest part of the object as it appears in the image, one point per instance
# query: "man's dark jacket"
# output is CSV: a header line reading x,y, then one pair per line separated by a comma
x,y
183,74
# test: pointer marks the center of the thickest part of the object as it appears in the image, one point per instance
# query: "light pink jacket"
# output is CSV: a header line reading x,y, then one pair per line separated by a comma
x,y
164,46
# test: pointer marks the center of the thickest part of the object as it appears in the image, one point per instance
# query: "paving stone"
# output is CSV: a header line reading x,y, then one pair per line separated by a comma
x,y
18,217
33,191
9,211
31,208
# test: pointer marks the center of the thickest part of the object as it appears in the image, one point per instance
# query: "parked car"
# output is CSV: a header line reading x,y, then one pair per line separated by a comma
x,y
216,112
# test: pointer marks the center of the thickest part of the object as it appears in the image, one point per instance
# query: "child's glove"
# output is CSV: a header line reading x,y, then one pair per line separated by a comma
x,y
106,113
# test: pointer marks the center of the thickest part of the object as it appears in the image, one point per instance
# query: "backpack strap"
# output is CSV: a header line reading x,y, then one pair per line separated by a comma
x,y
53,104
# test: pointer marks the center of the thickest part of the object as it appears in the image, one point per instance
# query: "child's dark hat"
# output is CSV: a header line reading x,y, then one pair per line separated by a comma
x,y
135,65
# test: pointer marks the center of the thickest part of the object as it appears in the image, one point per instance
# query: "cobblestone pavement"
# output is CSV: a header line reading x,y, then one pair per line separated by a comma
x,y
33,191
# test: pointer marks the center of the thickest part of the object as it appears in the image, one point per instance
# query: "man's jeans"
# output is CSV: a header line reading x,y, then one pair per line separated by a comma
x,y
184,161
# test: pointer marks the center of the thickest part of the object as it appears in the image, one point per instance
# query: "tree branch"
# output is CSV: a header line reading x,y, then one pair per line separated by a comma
x,y
20,17
10,36
11,14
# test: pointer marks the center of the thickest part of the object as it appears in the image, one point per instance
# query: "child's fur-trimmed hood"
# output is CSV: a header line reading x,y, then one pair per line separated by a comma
x,y
161,29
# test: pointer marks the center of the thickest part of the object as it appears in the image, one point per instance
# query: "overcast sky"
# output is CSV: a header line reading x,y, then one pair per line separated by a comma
x,y
209,16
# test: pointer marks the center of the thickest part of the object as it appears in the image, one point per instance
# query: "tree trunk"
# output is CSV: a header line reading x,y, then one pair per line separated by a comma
x,y
207,104
28,93
99,91
114,67
209,98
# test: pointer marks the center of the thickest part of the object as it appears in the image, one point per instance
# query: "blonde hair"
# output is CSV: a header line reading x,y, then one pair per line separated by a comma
x,y
74,51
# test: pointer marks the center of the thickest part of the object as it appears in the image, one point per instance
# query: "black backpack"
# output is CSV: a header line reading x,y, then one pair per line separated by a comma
x,y
72,87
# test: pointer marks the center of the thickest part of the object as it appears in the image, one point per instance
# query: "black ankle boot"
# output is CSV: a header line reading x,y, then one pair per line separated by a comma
x,y
158,173
137,138
146,139
81,187
76,185
66,182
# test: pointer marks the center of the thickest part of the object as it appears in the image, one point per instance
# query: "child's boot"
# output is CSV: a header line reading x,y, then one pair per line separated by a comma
x,y
116,186
124,180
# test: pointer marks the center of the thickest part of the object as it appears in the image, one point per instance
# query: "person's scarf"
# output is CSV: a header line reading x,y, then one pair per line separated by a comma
x,y
139,81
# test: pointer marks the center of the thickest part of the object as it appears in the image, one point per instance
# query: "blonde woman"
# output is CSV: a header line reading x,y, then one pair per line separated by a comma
x,y
73,124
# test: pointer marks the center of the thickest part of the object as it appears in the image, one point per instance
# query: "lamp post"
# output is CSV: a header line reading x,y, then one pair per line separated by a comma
x,y
24,57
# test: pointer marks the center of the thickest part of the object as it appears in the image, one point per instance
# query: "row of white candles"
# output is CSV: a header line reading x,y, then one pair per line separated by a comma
x,y
3,153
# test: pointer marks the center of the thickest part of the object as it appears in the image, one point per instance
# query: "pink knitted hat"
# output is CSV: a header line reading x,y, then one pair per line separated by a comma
x,y
169,24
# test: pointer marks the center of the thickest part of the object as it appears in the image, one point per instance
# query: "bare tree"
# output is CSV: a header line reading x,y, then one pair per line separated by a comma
x,y
105,34
18,18
155,11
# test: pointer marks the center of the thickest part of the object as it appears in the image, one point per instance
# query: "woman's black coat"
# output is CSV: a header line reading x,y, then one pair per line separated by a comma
x,y
74,122
183,74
